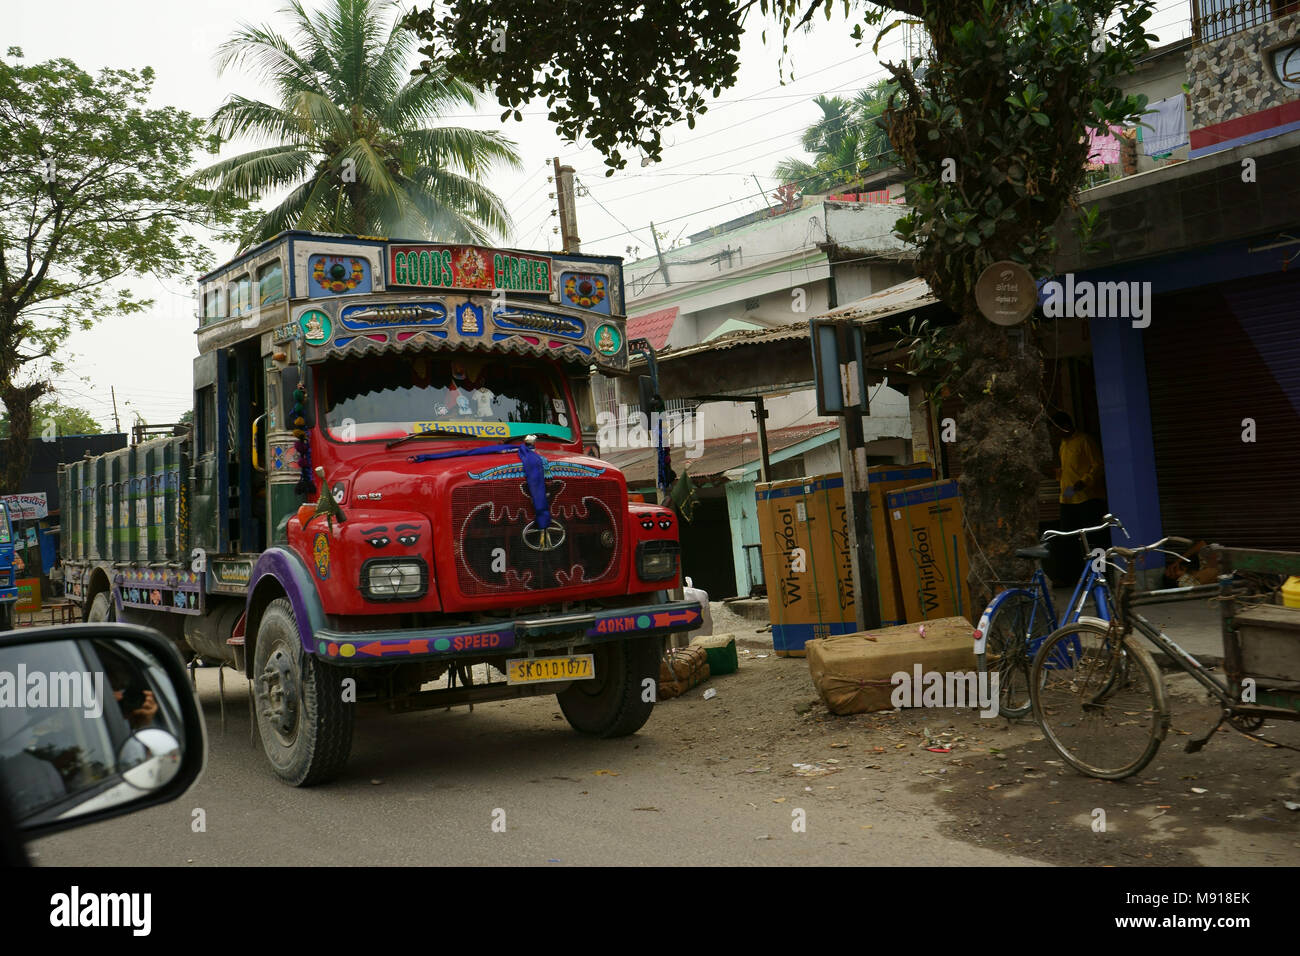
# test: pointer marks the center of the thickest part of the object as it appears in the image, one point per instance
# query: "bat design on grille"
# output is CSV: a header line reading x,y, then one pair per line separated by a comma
x,y
500,547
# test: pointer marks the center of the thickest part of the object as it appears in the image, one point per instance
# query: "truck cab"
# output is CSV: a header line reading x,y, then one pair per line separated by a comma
x,y
391,496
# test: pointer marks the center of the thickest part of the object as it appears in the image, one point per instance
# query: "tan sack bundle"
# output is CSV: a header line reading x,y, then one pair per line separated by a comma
x,y
853,673
680,669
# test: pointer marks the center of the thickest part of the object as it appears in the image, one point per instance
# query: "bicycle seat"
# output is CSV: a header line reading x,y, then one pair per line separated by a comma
x,y
1037,553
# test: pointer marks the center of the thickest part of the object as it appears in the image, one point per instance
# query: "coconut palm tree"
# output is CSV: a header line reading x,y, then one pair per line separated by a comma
x,y
846,142
352,136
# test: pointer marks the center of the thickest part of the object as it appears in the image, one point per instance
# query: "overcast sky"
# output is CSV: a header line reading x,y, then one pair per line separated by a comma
x,y
707,175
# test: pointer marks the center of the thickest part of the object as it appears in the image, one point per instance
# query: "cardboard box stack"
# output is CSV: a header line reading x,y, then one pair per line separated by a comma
x,y
803,529
882,479
929,546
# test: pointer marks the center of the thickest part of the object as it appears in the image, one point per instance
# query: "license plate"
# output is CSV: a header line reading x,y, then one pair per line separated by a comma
x,y
536,670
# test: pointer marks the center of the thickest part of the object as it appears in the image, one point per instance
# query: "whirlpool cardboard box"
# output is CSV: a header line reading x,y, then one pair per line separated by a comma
x,y
929,544
880,480
803,530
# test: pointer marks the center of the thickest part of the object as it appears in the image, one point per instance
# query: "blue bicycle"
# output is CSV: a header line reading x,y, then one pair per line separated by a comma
x,y
1016,622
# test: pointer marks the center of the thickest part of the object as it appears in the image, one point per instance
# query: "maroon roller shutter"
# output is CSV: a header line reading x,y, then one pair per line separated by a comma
x,y
1217,356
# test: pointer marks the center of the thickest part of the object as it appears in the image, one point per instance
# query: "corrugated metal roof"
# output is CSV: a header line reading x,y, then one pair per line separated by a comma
x,y
654,326
796,330
720,454
912,294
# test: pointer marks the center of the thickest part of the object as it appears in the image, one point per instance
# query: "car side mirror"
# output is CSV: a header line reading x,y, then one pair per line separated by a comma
x,y
98,720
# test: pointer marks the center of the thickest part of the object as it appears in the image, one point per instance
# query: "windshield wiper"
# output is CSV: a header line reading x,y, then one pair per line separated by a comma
x,y
446,431
425,434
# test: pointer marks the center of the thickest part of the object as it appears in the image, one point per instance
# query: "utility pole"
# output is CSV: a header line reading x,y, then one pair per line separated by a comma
x,y
117,422
663,266
568,211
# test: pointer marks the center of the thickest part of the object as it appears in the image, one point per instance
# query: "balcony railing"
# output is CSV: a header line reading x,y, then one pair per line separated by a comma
x,y
1215,19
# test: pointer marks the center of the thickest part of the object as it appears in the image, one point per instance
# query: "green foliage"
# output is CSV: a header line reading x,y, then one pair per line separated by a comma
x,y
352,136
993,128
848,141
615,72
93,188
52,417
932,352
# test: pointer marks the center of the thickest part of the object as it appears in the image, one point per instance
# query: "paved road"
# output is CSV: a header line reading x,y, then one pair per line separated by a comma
x,y
423,788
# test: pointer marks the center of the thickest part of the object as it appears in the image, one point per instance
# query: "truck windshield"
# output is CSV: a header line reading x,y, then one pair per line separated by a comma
x,y
4,524
390,396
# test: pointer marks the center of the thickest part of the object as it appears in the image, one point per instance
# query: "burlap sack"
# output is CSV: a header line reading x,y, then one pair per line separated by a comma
x,y
853,672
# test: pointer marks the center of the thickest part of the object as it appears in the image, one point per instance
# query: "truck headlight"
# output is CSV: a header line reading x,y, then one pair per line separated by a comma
x,y
394,579
657,560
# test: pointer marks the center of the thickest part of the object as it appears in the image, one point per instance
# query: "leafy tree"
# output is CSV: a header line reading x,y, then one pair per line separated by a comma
x,y
351,135
990,129
848,141
54,419
93,188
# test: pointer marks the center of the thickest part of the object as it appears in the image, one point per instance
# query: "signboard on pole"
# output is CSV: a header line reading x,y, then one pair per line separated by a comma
x,y
27,506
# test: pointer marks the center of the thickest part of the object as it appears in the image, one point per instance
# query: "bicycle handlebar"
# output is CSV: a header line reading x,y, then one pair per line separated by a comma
x,y
1110,521
1130,553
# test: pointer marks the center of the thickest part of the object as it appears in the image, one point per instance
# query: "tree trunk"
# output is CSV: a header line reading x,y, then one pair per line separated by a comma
x,y
1002,434
18,400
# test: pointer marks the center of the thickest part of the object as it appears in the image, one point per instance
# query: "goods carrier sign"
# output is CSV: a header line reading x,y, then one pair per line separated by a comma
x,y
472,268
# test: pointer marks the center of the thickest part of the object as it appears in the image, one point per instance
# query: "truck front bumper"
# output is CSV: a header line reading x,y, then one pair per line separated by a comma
x,y
521,635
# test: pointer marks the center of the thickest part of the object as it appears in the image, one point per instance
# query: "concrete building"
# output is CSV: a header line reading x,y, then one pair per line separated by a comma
x,y
742,289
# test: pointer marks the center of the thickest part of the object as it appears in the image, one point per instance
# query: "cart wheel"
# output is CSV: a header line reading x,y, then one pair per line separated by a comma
x,y
1247,723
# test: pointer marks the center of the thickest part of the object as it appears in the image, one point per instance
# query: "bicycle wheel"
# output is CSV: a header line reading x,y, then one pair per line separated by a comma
x,y
1101,706
1015,628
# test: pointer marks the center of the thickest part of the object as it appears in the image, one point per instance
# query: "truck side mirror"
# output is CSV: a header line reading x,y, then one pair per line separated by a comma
x,y
651,401
289,382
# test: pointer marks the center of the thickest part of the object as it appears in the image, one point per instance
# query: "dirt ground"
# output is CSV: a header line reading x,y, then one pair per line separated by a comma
x,y
1001,786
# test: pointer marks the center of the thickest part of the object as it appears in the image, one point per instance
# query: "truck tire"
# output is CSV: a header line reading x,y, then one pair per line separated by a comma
x,y
614,703
102,609
7,616
305,725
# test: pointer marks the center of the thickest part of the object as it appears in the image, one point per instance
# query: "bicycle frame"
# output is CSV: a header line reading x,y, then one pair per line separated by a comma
x,y
1184,659
1037,589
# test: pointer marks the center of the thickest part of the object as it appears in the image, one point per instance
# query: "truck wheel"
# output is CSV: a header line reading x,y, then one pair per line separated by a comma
x,y
617,701
305,725
102,609
7,616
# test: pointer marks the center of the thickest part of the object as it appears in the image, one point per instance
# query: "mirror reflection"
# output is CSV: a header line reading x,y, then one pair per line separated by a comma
x,y
84,725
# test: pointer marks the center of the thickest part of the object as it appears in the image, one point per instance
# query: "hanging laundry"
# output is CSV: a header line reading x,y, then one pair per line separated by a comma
x,y
1167,122
1103,148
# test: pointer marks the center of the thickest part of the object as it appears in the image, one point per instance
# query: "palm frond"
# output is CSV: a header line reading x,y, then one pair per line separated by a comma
x,y
252,174
239,116
471,151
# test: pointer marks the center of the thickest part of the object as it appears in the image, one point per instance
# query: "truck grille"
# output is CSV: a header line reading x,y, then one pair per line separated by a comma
x,y
498,547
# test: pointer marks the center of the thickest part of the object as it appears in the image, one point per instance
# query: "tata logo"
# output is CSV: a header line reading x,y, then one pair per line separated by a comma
x,y
544,539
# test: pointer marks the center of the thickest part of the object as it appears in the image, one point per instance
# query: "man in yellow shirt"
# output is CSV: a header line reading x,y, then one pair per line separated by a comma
x,y
1083,488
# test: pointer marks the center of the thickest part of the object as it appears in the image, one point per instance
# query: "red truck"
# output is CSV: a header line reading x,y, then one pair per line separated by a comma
x,y
391,495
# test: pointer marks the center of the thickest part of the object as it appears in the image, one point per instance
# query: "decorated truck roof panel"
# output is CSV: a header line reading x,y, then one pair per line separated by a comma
x,y
340,294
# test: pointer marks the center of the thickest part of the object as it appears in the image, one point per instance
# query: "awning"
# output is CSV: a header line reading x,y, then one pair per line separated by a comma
x,y
904,297
719,454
